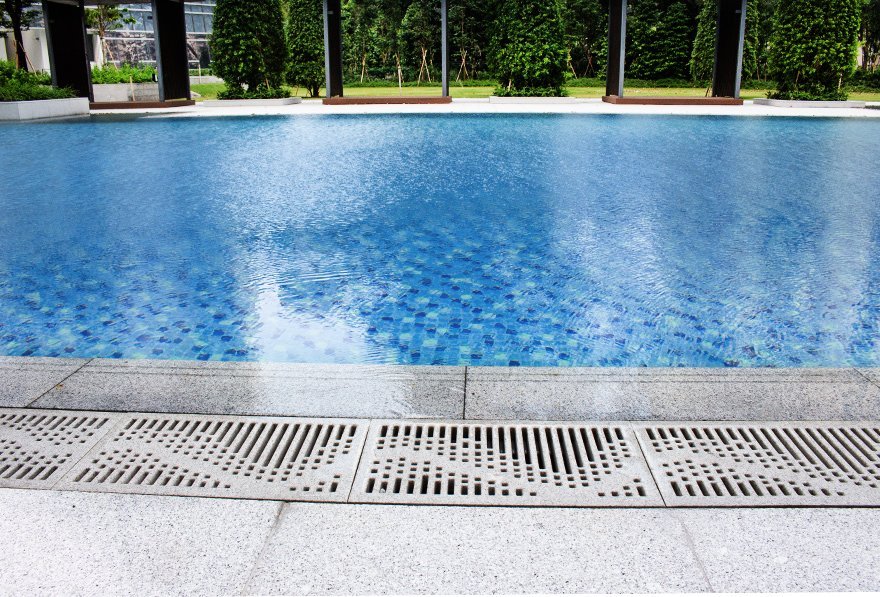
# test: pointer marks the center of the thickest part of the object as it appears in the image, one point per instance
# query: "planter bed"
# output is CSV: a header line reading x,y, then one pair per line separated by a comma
x,y
807,104
494,99
251,103
39,109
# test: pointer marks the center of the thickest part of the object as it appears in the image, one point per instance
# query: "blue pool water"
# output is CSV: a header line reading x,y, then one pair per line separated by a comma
x,y
478,240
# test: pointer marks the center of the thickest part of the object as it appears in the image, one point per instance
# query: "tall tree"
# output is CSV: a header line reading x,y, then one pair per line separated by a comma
x,y
660,36
469,36
18,17
359,18
813,48
528,48
420,30
870,35
305,43
703,54
107,18
586,29
249,49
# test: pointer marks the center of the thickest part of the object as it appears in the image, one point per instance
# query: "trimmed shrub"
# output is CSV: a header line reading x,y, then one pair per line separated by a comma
x,y
529,53
126,73
659,44
19,85
248,48
813,48
305,44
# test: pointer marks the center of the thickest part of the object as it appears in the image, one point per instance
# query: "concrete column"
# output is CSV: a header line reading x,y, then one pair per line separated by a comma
x,y
444,44
333,47
616,47
727,76
169,25
66,40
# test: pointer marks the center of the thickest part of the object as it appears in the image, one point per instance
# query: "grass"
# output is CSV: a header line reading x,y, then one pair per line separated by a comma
x,y
210,90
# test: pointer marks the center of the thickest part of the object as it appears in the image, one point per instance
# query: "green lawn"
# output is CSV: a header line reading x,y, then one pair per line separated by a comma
x,y
210,90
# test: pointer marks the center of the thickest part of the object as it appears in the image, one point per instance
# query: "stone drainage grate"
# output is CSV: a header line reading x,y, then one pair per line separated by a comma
x,y
214,456
38,447
503,464
764,464
444,462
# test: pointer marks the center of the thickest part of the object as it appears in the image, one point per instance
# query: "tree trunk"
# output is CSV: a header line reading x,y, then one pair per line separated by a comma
x,y
20,55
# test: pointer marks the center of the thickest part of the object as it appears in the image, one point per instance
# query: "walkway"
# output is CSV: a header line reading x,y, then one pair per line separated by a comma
x,y
106,488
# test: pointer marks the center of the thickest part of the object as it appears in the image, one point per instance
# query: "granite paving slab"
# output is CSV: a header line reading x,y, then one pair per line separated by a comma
x,y
608,394
764,550
66,543
357,391
24,379
353,549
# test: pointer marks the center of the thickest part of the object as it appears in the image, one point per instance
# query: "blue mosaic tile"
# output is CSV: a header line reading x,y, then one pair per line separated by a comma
x,y
459,240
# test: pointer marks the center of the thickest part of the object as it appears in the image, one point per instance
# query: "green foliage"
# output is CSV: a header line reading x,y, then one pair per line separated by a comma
x,y
18,85
420,35
703,54
659,39
125,73
529,52
813,48
870,34
586,32
470,37
248,47
305,44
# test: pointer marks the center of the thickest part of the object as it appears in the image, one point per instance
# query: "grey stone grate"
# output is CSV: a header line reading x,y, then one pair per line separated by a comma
x,y
37,447
442,463
750,465
260,458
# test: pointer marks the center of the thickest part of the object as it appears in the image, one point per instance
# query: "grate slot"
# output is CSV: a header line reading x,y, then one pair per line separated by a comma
x,y
460,463
765,464
260,458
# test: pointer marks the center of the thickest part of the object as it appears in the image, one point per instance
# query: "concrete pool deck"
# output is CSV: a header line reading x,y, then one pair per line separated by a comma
x,y
484,106
131,533
462,393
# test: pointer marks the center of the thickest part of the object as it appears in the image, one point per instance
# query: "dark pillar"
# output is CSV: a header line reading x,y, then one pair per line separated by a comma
x,y
169,25
333,47
729,48
616,46
68,52
444,44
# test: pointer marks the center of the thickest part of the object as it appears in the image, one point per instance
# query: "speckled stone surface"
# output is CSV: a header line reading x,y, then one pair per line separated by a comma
x,y
670,394
264,389
775,550
872,374
404,550
24,379
91,544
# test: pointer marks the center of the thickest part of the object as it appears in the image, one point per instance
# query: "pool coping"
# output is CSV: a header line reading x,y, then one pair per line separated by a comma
x,y
585,106
457,393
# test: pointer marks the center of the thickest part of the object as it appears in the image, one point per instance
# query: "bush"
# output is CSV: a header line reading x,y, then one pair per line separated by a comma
x,y
305,43
659,44
865,80
17,85
248,48
126,73
813,48
529,54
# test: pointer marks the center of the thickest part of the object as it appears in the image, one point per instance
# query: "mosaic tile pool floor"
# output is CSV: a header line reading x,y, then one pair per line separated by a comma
x,y
476,240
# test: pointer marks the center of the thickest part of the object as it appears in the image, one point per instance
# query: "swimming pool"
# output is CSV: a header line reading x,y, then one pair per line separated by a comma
x,y
456,240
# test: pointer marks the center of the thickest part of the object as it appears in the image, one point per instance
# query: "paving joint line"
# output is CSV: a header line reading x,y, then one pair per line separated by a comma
x,y
648,465
357,467
279,512
689,539
464,397
866,378
121,418
71,374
